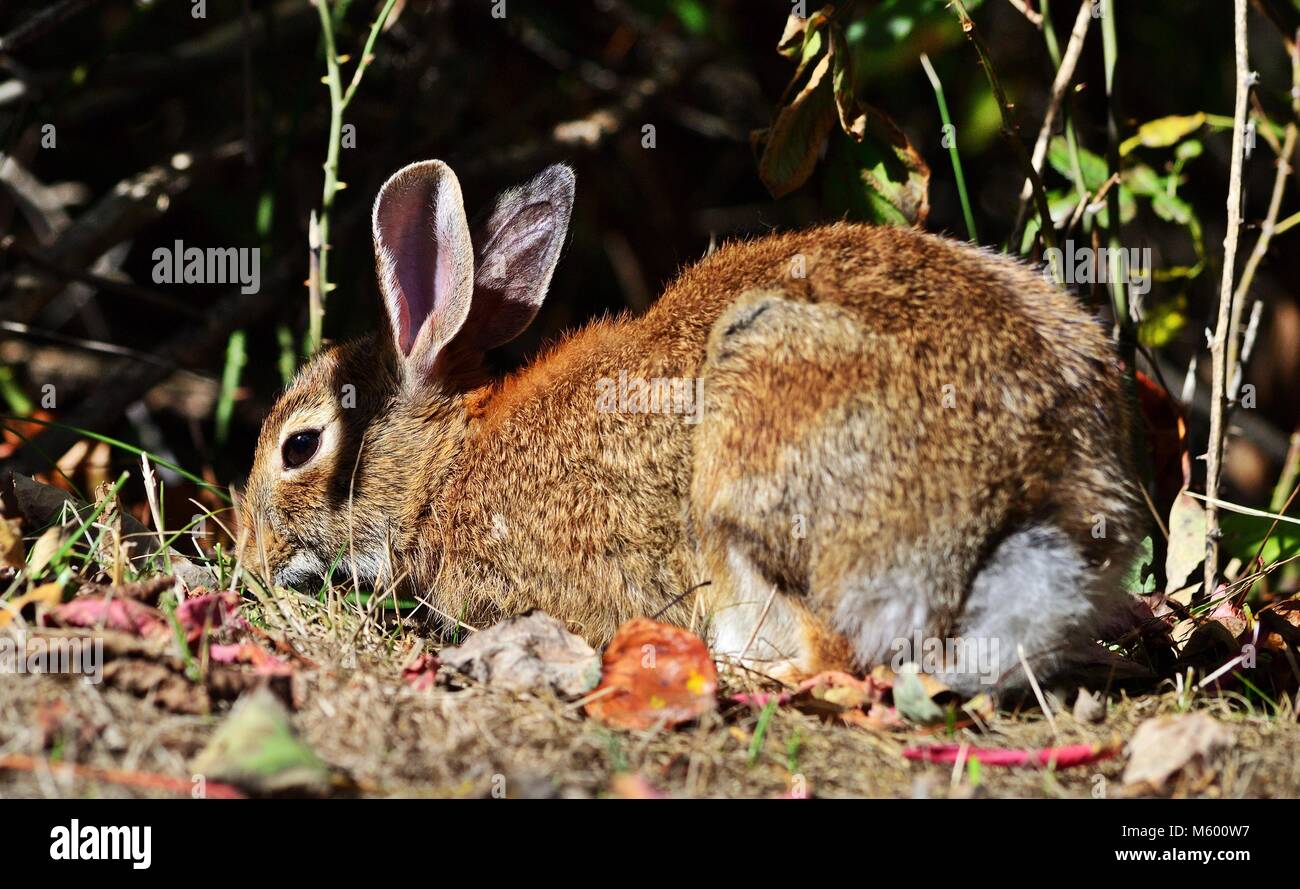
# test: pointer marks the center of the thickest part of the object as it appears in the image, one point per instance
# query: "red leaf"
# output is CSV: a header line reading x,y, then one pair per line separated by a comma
x,y
125,615
213,610
654,674
263,662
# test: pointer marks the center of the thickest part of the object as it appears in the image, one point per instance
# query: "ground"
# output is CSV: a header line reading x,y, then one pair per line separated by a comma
x,y
383,737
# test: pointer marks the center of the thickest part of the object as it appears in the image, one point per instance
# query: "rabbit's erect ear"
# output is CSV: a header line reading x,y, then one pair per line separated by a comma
x,y
425,260
517,246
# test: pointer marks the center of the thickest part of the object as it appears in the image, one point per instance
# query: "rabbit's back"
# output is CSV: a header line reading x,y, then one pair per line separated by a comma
x,y
896,435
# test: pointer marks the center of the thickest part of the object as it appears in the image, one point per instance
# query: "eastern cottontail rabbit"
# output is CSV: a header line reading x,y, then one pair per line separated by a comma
x,y
860,437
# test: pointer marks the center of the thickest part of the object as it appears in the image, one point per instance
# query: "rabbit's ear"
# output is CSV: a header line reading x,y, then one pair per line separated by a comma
x,y
425,260
517,246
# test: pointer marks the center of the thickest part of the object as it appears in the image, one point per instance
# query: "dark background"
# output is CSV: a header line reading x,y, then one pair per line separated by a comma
x,y
129,86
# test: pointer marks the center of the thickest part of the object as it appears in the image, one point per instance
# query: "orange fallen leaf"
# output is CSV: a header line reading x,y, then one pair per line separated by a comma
x,y
654,674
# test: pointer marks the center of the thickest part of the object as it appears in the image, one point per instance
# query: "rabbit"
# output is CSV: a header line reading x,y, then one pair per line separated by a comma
x,y
824,449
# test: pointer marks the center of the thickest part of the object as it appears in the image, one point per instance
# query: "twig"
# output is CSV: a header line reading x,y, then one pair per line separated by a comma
x,y
96,346
20,762
339,99
1060,85
1038,692
43,262
1034,18
42,23
1236,352
1218,350
128,207
1046,228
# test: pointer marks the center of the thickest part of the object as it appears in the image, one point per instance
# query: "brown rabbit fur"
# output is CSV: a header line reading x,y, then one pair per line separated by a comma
x,y
899,434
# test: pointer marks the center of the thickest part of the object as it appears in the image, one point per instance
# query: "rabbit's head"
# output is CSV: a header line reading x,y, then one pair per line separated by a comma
x,y
350,460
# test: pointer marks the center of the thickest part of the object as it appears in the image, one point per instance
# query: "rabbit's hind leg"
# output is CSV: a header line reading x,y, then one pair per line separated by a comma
x,y
754,624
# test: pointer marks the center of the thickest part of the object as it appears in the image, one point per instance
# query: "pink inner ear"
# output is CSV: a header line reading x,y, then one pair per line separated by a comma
x,y
408,233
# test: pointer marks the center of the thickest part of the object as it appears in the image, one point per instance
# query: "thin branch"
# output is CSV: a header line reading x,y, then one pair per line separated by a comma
x,y
1060,86
42,23
1046,228
339,99
1034,18
1218,350
1236,353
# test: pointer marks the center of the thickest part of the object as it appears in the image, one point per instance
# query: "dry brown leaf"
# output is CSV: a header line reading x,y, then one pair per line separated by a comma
x,y
1169,745
532,652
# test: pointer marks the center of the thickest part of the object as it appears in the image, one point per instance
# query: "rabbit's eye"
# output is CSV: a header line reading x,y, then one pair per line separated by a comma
x,y
300,447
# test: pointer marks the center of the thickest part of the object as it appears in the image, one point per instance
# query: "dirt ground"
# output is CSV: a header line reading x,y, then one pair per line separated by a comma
x,y
385,738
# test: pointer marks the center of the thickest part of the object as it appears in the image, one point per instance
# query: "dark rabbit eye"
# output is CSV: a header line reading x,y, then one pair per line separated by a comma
x,y
300,447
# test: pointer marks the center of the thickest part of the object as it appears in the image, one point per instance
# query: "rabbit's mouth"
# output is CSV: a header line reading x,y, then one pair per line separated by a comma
x,y
302,569
305,570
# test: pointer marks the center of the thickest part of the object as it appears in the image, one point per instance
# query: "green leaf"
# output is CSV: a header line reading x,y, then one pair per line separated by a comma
x,y
1242,535
1163,132
797,40
693,15
1095,171
1172,208
1140,579
1164,322
892,21
882,179
788,149
256,748
1060,204
1189,149
911,699
852,115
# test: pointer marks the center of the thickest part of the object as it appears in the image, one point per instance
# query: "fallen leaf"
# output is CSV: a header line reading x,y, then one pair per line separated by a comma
x,y
146,591
125,615
262,661
835,693
1168,745
912,699
167,687
255,748
43,505
531,652
43,550
214,611
625,785
654,674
